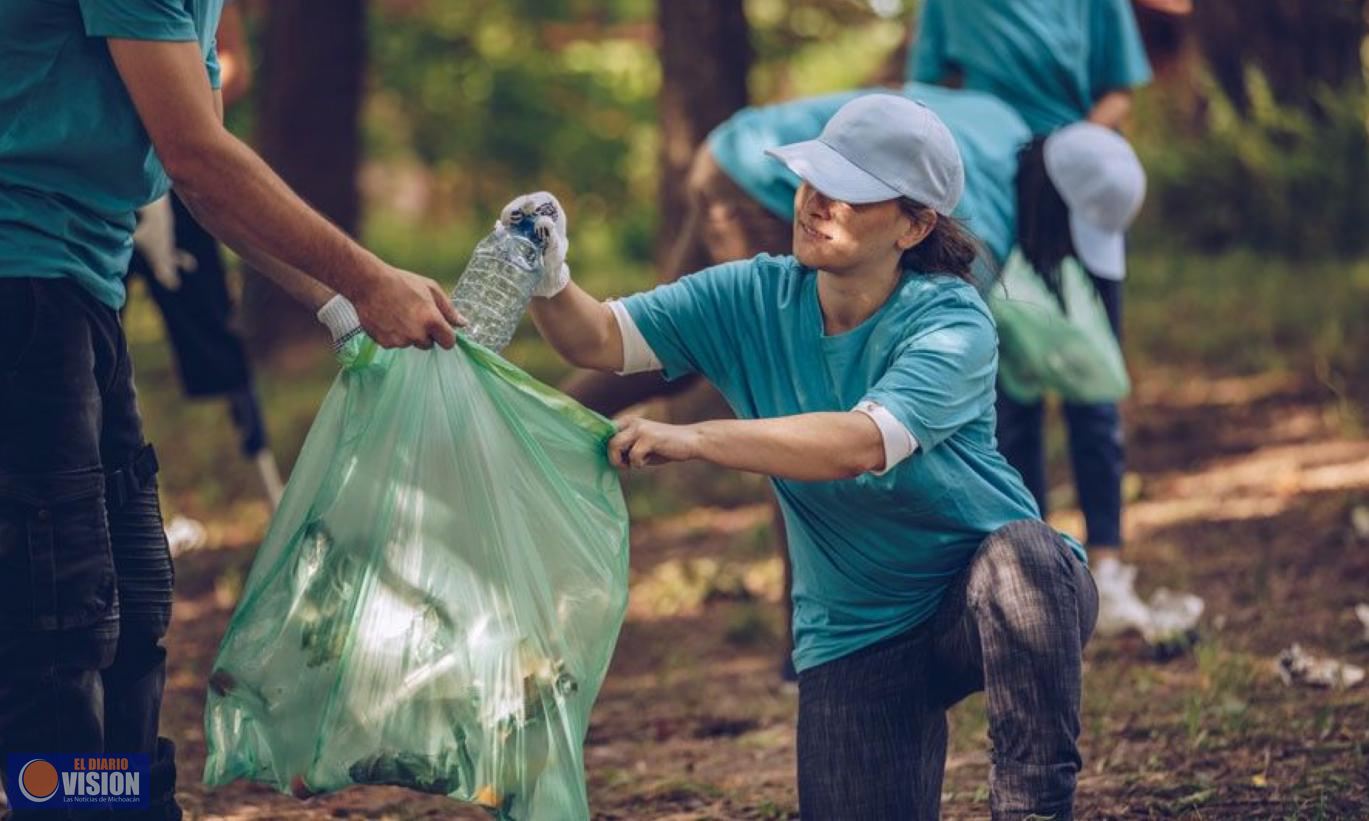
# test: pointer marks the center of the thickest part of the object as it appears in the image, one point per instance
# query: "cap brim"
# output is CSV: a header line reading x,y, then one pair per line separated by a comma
x,y
822,167
1104,253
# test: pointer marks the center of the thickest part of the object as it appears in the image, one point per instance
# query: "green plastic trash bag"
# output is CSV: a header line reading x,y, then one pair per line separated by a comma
x,y
436,602
1070,351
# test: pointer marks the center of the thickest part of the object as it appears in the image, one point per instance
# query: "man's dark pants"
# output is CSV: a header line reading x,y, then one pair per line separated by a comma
x,y
85,573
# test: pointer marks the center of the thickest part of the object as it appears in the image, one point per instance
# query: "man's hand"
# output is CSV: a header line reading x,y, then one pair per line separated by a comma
x,y
641,442
404,309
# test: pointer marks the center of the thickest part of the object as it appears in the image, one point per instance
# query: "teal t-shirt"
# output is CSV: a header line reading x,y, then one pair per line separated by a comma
x,y
75,161
872,556
1048,59
988,133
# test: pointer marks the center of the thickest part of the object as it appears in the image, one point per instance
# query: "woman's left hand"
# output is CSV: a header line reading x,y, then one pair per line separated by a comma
x,y
641,442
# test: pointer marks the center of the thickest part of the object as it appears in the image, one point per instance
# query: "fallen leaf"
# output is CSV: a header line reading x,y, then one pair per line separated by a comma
x,y
1197,798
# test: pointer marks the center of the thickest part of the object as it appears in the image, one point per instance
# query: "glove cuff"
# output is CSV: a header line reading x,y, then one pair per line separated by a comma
x,y
553,284
340,317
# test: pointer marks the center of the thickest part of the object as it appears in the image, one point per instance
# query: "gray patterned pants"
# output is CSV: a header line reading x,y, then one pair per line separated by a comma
x,y
872,725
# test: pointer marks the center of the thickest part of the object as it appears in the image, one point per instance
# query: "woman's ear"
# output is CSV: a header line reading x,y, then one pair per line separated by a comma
x,y
916,229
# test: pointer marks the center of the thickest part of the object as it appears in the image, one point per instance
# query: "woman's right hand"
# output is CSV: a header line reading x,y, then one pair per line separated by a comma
x,y
549,226
641,443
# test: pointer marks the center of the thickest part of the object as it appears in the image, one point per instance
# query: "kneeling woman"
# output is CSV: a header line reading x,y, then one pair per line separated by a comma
x,y
862,371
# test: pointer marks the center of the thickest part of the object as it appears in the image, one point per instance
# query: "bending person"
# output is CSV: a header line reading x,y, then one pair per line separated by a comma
x,y
861,371
1078,191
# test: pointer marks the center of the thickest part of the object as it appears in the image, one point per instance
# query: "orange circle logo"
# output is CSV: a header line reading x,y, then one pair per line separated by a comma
x,y
38,780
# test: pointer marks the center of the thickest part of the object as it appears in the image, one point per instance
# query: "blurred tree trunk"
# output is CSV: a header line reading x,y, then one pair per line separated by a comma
x,y
1298,45
308,130
705,50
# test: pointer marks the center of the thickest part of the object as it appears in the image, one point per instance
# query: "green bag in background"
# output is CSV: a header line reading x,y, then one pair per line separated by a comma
x,y
1042,348
437,600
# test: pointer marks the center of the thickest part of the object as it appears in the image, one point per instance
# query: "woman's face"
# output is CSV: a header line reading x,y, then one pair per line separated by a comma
x,y
837,236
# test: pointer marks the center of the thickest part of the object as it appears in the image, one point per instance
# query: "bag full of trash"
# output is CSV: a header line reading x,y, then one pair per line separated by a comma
x,y
436,602
1049,343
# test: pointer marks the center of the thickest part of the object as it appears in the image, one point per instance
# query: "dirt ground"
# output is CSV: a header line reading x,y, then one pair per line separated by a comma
x,y
1245,492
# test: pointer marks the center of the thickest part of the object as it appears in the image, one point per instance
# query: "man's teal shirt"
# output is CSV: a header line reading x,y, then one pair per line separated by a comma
x,y
75,160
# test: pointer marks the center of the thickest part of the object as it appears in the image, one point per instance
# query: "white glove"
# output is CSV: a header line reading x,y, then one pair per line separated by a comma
x,y
339,316
155,239
549,227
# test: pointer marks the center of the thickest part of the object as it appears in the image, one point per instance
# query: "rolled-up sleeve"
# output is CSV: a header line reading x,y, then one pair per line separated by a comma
x,y
899,444
691,324
167,20
637,354
942,377
211,66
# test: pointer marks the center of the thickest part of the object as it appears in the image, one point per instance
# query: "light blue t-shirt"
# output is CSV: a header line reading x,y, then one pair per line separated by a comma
x,y
1048,59
872,556
988,133
75,161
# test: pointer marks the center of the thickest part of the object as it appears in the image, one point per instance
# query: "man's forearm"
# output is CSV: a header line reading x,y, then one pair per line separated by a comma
x,y
251,210
581,329
809,447
245,204
300,286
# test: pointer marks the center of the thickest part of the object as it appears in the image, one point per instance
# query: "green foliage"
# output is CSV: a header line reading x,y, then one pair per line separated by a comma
x,y
488,100
469,103
1276,179
1243,313
820,46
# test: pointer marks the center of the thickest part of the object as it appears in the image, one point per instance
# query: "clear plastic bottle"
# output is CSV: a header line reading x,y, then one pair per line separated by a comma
x,y
494,290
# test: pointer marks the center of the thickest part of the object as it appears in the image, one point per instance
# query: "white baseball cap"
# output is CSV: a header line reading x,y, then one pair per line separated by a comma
x,y
1101,181
881,147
